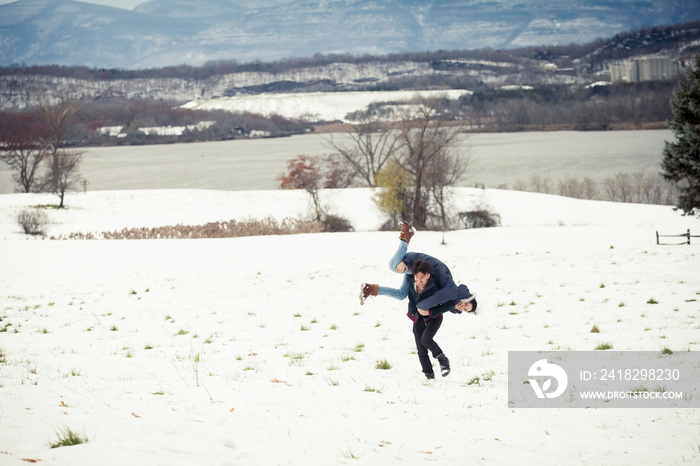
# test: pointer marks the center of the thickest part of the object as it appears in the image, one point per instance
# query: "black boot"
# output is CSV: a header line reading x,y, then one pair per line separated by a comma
x,y
444,365
429,375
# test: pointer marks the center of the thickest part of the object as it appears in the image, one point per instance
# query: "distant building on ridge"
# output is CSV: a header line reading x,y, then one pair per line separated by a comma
x,y
640,69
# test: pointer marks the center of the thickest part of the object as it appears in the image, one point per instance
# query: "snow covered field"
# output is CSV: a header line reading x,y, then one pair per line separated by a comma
x,y
318,106
255,351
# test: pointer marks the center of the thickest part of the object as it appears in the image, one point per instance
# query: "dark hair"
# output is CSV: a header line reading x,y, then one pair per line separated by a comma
x,y
421,267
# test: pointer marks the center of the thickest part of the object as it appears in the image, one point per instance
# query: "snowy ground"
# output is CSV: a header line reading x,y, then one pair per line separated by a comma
x,y
317,106
256,351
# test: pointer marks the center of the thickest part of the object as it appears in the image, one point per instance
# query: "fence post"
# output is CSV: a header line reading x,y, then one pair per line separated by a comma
x,y
688,235
657,238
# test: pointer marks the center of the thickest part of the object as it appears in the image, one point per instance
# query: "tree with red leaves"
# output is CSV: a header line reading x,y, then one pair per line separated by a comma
x,y
303,172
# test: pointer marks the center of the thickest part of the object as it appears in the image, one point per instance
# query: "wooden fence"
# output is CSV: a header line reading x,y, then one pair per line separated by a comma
x,y
685,235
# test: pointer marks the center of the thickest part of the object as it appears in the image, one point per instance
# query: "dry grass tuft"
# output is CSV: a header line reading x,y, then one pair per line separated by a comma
x,y
228,229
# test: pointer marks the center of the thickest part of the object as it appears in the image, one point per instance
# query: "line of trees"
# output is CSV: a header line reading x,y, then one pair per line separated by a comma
x,y
84,126
582,108
637,187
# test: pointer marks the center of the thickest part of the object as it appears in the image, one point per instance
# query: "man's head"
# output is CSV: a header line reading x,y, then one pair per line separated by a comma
x,y
467,305
421,272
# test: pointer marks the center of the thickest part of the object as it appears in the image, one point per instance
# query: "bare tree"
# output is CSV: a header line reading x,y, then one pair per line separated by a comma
x,y
367,145
447,169
21,147
57,118
62,174
619,188
590,188
571,187
426,146
541,184
339,172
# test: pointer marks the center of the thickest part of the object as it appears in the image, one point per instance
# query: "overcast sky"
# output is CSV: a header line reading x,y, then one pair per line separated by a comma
x,y
127,4
130,4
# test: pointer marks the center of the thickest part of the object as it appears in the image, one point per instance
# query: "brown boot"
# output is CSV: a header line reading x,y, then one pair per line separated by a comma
x,y
367,290
407,231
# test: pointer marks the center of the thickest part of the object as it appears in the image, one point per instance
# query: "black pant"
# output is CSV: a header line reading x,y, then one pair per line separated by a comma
x,y
424,333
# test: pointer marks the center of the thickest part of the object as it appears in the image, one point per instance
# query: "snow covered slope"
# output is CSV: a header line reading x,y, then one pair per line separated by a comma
x,y
256,350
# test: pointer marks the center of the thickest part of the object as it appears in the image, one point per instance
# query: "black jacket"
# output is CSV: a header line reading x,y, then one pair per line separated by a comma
x,y
440,288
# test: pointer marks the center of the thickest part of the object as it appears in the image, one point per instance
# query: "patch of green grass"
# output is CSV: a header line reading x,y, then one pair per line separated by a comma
x,y
383,364
359,347
373,389
595,329
67,438
666,350
604,346
652,301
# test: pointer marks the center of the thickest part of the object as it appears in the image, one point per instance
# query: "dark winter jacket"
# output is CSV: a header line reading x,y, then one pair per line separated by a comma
x,y
440,288
463,293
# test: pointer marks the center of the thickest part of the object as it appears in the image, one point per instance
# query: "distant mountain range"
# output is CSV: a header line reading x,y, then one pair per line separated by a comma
x,y
172,32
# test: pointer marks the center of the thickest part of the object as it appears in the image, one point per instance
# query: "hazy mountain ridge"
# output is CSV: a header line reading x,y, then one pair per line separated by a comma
x,y
164,33
468,69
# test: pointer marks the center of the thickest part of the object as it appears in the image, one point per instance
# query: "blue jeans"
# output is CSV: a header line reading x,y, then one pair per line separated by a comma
x,y
398,256
395,260
399,293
